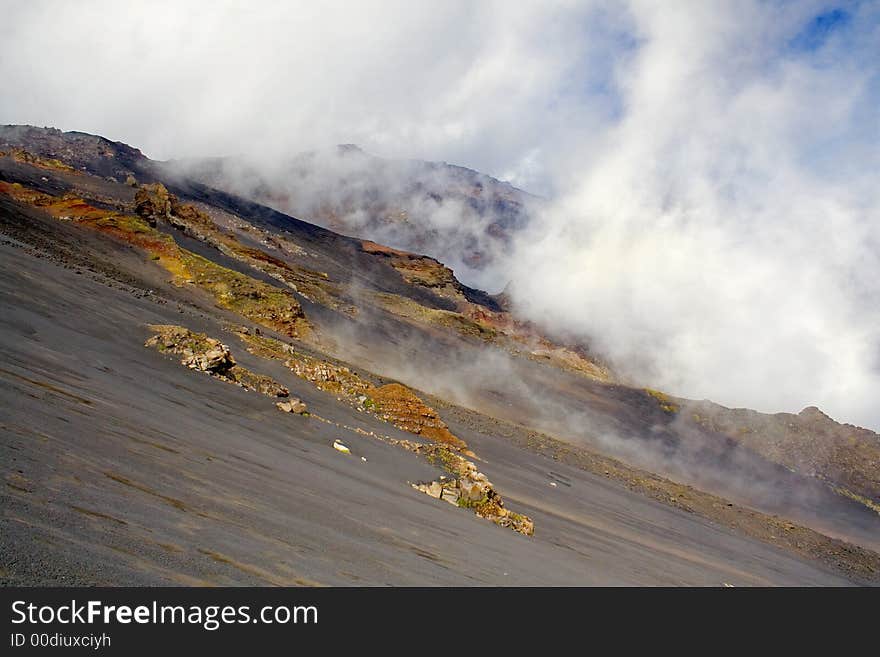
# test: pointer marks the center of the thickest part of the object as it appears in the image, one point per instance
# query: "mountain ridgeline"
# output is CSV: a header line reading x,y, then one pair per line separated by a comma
x,y
462,217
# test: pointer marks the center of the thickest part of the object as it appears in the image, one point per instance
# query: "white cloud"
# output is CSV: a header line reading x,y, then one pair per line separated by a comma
x,y
703,243
460,81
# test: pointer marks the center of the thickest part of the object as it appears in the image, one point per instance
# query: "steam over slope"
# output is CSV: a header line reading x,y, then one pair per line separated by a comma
x,y
462,217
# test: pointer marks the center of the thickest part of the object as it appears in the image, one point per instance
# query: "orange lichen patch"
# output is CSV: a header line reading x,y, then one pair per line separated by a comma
x,y
265,304
161,248
418,269
535,345
126,228
664,401
191,215
38,161
429,273
373,247
410,309
495,327
25,194
197,223
400,406
324,375
68,206
474,319
394,403
500,321
571,360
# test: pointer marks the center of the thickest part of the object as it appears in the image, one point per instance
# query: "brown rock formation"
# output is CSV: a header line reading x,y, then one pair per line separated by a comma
x,y
152,202
402,407
204,354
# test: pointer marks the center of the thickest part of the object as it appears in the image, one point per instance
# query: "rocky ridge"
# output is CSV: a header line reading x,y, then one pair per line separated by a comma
x,y
469,489
204,354
393,402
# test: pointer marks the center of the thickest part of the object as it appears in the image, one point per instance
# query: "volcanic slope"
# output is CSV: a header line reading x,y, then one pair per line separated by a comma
x,y
119,456
463,217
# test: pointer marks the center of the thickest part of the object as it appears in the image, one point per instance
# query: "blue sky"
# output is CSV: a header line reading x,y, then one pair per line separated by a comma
x,y
822,26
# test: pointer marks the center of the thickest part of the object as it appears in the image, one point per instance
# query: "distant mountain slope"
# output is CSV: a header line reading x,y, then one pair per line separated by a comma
x,y
810,442
462,217
79,150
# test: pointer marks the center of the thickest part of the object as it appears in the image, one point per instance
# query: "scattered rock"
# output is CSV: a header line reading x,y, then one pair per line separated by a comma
x,y
266,386
394,403
292,405
204,354
450,495
471,489
216,359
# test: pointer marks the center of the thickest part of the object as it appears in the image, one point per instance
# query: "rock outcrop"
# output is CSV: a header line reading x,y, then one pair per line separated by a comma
x,y
204,354
216,360
394,403
474,491
38,161
402,407
292,405
153,202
